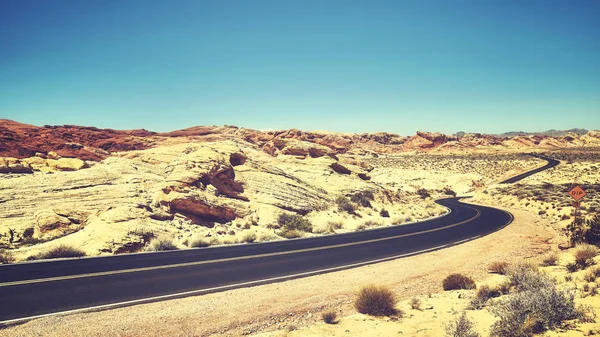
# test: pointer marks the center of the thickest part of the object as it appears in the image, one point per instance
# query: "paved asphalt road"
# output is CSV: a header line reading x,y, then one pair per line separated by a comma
x,y
39,288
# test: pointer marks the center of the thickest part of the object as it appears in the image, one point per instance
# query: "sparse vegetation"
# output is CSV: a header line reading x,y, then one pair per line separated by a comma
x,y
58,252
199,243
249,237
461,327
329,317
537,306
584,255
376,301
161,243
294,222
363,198
498,268
6,256
449,191
423,193
290,233
485,293
550,260
458,281
415,303
344,205
384,213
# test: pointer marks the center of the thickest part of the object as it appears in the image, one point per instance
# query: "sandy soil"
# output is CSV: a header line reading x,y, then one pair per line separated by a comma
x,y
298,303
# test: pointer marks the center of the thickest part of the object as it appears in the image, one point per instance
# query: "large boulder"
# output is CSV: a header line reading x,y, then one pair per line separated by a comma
x,y
50,224
67,164
13,165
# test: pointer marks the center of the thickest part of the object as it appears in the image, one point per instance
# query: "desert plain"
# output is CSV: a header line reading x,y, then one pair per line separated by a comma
x,y
106,192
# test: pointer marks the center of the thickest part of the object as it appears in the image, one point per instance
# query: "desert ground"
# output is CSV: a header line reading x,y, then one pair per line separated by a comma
x,y
109,192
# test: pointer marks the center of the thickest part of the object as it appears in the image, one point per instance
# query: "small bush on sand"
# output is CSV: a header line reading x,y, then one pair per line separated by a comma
x,y
592,234
6,257
344,205
58,252
376,301
550,260
415,303
498,268
249,237
572,267
423,193
485,293
525,276
458,281
461,327
534,309
199,243
384,213
294,222
160,244
290,233
332,226
449,191
363,198
329,317
584,255
371,223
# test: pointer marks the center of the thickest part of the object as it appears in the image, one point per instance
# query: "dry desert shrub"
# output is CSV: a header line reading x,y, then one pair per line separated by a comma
x,y
550,260
461,327
376,301
294,222
329,317
584,255
290,233
363,198
160,244
498,267
533,310
332,226
344,205
485,293
458,281
58,252
199,243
6,256
384,213
415,303
249,237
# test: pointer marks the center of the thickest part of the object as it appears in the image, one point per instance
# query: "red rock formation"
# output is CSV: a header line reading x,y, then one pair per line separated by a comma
x,y
88,143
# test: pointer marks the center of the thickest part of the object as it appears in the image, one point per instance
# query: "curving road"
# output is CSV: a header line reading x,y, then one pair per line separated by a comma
x,y
34,289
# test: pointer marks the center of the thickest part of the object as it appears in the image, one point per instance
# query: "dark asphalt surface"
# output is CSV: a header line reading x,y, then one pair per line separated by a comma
x,y
20,297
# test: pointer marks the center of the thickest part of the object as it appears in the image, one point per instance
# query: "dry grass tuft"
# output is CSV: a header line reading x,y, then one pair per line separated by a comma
x,y
58,252
458,281
6,256
584,255
550,260
376,301
498,268
160,244
329,317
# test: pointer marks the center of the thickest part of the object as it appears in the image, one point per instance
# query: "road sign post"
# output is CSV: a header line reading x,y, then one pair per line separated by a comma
x,y
577,193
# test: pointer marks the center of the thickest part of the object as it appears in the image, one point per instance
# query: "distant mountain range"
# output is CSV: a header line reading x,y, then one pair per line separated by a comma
x,y
551,133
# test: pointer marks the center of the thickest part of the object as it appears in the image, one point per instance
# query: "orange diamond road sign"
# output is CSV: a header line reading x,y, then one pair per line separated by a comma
x,y
577,193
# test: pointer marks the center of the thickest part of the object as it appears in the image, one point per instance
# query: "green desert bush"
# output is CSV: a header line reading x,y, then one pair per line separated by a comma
x,y
6,256
584,255
458,281
376,301
58,252
344,205
291,222
160,244
329,317
498,267
461,327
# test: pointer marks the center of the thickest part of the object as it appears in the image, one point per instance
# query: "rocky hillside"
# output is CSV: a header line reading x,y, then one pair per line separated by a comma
x,y
21,141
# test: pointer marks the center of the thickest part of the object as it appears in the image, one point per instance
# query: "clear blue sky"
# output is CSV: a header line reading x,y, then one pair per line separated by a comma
x,y
353,66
